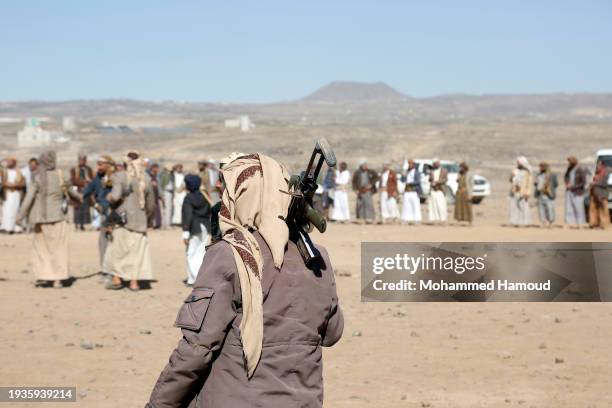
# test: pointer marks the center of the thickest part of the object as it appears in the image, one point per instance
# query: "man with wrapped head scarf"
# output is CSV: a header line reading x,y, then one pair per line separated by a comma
x,y
389,211
43,205
80,176
342,180
98,189
599,215
411,185
545,192
257,317
131,197
576,188
522,187
463,196
196,226
179,193
364,185
436,204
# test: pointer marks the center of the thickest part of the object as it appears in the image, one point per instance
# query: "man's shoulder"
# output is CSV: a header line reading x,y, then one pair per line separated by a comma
x,y
219,247
220,256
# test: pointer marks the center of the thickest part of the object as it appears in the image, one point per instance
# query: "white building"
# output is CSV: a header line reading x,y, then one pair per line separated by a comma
x,y
32,135
242,122
69,124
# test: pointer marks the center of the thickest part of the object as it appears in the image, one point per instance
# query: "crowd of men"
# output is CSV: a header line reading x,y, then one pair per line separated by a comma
x,y
399,194
126,197
120,198
586,194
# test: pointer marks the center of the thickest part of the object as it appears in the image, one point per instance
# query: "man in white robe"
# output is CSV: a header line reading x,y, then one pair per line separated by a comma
x,y
341,210
166,185
213,177
388,195
13,184
437,197
180,192
411,206
522,186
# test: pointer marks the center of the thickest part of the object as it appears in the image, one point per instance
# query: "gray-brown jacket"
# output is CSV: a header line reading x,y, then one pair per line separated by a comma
x,y
47,209
301,314
125,194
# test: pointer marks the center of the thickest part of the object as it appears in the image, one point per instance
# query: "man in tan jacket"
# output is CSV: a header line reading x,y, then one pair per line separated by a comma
x,y
132,199
43,206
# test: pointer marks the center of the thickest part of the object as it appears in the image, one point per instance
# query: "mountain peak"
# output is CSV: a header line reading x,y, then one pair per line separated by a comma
x,y
349,91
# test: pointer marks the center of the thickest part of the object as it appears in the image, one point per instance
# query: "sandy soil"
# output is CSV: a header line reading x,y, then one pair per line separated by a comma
x,y
112,345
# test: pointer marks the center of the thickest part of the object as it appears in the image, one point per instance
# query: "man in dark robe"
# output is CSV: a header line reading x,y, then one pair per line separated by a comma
x,y
80,176
364,185
155,221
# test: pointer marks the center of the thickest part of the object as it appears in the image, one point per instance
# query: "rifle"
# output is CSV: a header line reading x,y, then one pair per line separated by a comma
x,y
302,216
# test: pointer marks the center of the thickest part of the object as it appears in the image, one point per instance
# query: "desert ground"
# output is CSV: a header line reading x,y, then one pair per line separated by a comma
x,y
112,345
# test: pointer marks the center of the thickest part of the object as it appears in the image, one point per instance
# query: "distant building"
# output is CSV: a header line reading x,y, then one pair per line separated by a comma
x,y
242,122
69,124
32,135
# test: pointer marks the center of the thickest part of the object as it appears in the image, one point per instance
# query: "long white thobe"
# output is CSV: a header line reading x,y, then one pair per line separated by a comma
x,y
411,206
179,195
11,204
437,201
341,210
388,205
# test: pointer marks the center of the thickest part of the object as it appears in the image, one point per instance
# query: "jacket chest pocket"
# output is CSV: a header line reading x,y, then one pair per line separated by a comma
x,y
192,313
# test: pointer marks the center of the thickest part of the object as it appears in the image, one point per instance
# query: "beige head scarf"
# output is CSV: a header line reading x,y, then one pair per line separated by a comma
x,y
252,200
230,158
522,160
136,170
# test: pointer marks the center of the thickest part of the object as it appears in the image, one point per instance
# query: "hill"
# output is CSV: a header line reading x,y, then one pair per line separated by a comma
x,y
355,92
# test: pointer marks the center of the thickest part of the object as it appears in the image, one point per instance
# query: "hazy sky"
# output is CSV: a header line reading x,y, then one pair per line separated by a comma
x,y
280,50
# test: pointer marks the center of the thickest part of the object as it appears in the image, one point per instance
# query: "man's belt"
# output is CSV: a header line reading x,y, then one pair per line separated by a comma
x,y
13,188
